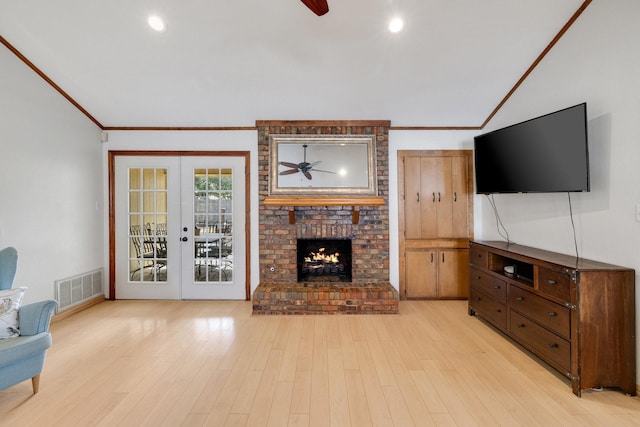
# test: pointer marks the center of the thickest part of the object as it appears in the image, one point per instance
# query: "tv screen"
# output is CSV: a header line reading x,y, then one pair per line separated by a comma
x,y
542,155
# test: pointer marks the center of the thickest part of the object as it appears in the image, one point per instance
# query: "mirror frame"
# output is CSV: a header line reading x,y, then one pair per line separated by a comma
x,y
364,164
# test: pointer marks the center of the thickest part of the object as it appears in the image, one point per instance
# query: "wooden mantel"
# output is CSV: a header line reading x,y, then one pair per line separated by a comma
x,y
352,201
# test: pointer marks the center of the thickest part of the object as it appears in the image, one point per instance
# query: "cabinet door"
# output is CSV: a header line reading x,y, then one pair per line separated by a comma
x,y
412,198
453,273
444,197
460,200
429,190
421,273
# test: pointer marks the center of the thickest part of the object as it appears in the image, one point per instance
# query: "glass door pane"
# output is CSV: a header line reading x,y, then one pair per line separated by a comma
x,y
147,219
213,215
147,224
213,219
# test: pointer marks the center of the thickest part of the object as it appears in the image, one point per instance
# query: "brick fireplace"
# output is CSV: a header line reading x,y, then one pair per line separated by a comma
x,y
282,226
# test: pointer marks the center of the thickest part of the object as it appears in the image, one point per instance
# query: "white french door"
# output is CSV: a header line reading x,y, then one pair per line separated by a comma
x,y
180,227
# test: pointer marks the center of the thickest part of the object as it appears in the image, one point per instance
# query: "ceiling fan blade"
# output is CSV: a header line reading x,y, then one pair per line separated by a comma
x,y
320,170
308,175
319,7
290,165
289,172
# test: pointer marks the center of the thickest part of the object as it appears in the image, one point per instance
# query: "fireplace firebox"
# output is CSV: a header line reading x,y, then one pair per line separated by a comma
x,y
324,260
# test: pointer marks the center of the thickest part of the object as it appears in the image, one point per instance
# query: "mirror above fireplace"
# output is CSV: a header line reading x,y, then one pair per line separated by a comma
x,y
328,165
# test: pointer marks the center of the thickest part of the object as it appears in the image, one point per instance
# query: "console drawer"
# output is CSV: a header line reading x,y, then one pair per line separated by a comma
x,y
547,313
554,283
488,308
487,284
478,257
540,341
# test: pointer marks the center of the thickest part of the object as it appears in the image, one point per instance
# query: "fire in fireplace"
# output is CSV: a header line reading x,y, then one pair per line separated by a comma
x,y
324,260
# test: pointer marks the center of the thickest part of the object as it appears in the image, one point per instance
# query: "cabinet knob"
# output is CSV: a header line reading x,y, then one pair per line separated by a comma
x,y
551,282
552,314
496,286
498,310
519,299
553,345
521,325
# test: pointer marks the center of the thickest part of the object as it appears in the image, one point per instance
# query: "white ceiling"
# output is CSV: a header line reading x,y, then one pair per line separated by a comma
x,y
232,62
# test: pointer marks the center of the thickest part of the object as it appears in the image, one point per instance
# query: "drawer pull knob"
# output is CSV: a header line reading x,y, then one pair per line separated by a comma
x,y
552,282
520,299
521,325
498,311
553,345
478,299
496,286
552,314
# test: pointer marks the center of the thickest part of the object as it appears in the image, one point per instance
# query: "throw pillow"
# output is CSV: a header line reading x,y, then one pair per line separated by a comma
x,y
9,304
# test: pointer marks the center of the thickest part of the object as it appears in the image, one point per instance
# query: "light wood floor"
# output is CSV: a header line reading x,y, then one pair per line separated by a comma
x,y
186,363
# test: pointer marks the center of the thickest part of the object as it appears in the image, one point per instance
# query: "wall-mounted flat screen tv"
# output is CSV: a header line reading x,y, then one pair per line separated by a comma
x,y
542,155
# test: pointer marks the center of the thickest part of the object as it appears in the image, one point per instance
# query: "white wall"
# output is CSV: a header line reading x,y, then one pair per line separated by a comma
x,y
49,157
596,62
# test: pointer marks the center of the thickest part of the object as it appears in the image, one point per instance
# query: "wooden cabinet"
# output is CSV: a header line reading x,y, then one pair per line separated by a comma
x,y
577,315
437,273
436,197
435,216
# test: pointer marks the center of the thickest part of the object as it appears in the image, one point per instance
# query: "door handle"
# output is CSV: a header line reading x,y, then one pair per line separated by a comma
x,y
418,197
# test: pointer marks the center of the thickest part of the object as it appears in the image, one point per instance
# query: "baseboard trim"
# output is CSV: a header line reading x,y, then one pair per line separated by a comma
x,y
80,307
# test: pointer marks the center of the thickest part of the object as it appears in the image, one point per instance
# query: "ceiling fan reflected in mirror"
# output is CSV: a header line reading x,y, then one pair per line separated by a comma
x,y
319,7
303,167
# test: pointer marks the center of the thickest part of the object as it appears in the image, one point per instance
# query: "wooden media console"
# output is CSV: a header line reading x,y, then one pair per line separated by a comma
x,y
577,315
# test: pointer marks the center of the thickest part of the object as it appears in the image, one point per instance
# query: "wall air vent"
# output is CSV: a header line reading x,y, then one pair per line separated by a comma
x,y
73,291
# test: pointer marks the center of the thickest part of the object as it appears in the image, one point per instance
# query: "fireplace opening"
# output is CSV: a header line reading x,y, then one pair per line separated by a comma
x,y
324,260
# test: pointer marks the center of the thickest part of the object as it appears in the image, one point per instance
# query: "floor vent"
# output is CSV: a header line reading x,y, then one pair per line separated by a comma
x,y
75,290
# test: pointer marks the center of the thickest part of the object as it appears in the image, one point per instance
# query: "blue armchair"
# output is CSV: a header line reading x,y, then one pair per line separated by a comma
x,y
22,357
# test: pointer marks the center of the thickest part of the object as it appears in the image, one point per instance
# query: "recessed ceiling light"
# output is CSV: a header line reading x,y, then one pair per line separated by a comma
x,y
157,23
396,25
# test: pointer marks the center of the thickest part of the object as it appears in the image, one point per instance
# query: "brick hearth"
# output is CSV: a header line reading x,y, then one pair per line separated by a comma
x,y
370,291
307,298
